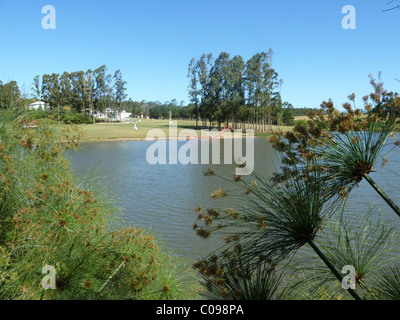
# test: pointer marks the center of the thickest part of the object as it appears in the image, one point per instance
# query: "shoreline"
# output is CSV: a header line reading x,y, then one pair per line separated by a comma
x,y
155,139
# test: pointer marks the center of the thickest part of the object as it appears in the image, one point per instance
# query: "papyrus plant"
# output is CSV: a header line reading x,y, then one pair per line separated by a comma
x,y
274,222
321,163
348,144
349,239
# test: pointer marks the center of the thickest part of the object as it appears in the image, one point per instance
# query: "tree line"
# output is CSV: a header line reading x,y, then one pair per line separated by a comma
x,y
221,90
230,90
10,94
160,110
90,92
95,92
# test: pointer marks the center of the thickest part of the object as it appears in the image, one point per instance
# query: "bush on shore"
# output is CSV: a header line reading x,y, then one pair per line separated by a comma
x,y
47,218
52,117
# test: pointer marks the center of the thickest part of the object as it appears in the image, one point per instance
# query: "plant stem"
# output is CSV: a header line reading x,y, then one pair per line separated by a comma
x,y
110,277
382,194
332,268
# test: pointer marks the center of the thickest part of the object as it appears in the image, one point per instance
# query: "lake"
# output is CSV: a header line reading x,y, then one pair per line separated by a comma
x,y
163,197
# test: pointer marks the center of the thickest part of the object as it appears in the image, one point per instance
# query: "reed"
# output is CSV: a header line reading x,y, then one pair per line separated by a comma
x,y
49,217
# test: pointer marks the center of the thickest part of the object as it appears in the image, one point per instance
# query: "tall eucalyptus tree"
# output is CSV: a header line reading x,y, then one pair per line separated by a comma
x,y
235,86
65,90
204,66
36,87
101,90
193,88
218,89
119,87
90,92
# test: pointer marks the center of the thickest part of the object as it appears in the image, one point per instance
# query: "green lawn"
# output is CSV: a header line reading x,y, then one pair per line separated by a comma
x,y
114,131
117,131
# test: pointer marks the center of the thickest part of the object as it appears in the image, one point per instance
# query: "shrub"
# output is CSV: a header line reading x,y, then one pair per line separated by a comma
x,y
75,118
48,217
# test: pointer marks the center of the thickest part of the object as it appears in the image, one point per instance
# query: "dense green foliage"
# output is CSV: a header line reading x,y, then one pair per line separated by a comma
x,y
91,92
221,90
301,112
49,217
227,89
159,110
96,92
76,96
9,94
53,116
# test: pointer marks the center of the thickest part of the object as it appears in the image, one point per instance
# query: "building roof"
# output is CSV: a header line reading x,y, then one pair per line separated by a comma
x,y
38,102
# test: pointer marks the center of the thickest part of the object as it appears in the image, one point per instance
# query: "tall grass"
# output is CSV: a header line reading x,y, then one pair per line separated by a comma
x,y
47,217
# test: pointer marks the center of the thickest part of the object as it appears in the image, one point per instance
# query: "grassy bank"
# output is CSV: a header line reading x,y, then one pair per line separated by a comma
x,y
125,131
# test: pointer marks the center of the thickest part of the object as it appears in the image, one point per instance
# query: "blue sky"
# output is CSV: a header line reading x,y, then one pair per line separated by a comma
x,y
153,41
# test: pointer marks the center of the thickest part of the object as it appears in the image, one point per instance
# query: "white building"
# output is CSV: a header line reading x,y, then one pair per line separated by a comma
x,y
111,114
38,104
125,115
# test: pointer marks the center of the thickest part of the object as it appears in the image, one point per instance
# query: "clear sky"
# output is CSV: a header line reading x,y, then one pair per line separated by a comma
x,y
153,41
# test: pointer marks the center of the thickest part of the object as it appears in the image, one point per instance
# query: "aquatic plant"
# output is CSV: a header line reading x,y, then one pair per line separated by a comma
x,y
348,145
49,217
298,207
278,221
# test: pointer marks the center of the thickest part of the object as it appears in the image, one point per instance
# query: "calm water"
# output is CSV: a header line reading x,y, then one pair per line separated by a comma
x,y
163,197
